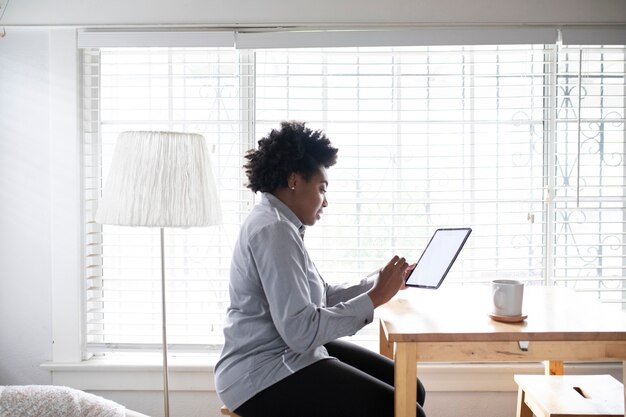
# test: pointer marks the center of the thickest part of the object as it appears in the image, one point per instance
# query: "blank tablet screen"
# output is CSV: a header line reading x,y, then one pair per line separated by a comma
x,y
438,257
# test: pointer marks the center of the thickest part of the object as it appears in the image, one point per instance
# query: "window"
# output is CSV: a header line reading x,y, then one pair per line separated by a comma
x,y
180,89
523,143
587,182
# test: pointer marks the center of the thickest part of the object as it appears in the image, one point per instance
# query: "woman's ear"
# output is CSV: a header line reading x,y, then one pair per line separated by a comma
x,y
292,180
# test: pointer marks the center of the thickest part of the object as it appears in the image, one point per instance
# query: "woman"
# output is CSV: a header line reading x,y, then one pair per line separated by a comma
x,y
281,356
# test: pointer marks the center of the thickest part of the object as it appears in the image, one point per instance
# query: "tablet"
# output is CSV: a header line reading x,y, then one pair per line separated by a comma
x,y
438,257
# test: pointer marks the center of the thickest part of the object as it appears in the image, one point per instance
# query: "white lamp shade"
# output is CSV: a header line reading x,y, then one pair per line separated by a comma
x,y
160,179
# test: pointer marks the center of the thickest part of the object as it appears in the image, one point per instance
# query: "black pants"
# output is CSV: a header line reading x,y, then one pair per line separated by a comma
x,y
358,384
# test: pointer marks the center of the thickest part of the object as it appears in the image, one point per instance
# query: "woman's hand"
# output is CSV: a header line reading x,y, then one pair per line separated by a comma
x,y
406,274
389,281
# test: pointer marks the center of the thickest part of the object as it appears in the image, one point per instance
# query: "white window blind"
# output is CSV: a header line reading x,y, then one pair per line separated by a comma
x,y
497,138
193,90
427,138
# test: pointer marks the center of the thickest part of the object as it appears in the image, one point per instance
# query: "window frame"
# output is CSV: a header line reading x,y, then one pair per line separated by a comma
x,y
249,123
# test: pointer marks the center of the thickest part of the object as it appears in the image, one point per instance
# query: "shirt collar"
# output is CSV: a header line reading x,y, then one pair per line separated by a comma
x,y
272,201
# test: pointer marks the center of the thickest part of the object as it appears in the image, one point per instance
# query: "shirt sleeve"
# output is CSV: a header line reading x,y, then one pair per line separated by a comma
x,y
342,292
280,259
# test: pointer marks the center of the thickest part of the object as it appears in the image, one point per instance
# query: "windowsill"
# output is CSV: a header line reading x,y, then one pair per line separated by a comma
x,y
196,374
138,362
135,373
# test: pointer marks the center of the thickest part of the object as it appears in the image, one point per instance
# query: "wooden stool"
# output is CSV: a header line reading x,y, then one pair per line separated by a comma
x,y
226,412
569,396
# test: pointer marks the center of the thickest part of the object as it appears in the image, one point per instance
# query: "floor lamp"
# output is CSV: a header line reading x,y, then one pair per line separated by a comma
x,y
160,179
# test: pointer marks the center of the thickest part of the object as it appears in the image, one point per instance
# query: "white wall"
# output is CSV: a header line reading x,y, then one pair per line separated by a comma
x,y
25,211
319,12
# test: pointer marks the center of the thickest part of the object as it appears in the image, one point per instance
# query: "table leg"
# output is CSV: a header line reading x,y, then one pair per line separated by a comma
x,y
554,367
385,348
522,407
405,372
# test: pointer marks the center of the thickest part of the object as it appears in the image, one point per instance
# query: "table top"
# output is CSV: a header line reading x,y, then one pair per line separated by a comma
x,y
461,313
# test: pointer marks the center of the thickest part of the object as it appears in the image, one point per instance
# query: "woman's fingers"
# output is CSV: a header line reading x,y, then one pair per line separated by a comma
x,y
407,272
390,281
396,262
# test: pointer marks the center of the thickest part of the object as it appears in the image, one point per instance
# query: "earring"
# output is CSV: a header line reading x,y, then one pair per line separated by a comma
x,y
293,188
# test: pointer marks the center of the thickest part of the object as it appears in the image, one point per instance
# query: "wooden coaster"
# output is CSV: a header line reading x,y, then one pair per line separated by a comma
x,y
508,319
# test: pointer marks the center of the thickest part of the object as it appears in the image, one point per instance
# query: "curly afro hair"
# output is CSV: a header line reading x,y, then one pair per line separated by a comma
x,y
292,149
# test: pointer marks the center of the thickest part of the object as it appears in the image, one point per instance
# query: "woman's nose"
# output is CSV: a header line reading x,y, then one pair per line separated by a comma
x,y
325,202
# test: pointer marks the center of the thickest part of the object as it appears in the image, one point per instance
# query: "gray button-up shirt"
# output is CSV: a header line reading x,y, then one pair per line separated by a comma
x,y
281,311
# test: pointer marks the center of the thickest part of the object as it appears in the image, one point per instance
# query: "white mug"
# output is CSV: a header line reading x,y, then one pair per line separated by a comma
x,y
507,296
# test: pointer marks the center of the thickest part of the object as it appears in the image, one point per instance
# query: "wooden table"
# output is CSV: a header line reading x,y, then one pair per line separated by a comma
x,y
452,324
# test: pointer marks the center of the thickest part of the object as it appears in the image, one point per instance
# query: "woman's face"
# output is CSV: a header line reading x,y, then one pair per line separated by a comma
x,y
309,197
